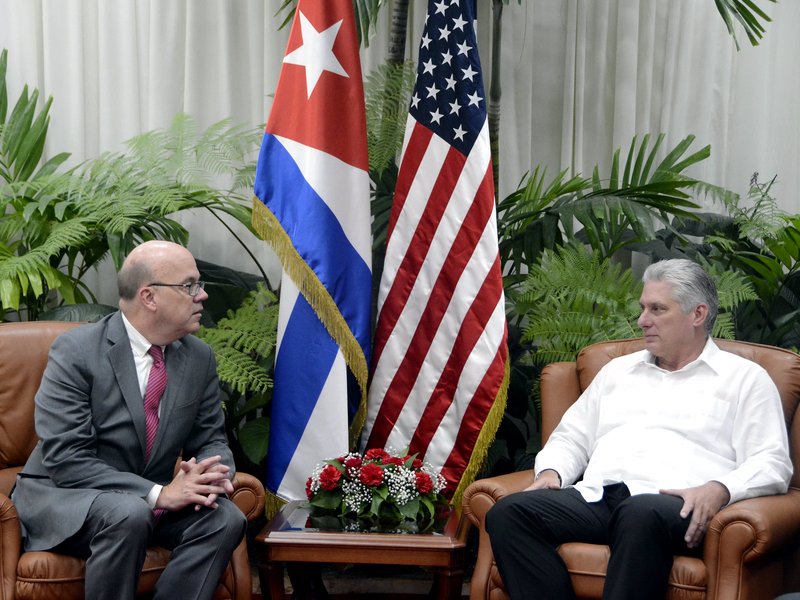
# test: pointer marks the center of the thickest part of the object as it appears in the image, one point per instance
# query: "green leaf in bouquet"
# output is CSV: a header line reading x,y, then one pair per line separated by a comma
x,y
410,509
330,499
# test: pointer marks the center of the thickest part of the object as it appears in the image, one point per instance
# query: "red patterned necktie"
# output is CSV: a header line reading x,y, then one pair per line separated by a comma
x,y
156,384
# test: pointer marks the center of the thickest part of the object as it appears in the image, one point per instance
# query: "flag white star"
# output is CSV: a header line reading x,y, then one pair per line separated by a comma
x,y
432,91
444,33
469,73
446,57
458,23
474,99
464,48
316,53
454,107
451,83
428,66
459,132
440,8
436,116
415,101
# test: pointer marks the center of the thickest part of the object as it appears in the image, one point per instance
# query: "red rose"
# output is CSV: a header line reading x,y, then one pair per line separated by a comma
x,y
417,464
378,454
309,493
424,483
354,462
371,475
329,478
395,460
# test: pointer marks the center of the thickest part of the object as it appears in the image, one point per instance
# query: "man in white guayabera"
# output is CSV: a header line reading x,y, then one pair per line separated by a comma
x,y
659,442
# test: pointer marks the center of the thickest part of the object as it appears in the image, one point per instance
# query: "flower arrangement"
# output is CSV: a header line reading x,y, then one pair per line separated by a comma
x,y
376,492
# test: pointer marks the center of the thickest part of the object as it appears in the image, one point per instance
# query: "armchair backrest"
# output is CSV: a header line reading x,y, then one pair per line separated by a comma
x,y
24,348
562,383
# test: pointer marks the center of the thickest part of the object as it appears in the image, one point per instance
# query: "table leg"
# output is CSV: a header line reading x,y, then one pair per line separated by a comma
x,y
270,576
447,585
307,581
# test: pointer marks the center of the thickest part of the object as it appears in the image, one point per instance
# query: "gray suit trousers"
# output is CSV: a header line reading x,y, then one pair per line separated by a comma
x,y
118,529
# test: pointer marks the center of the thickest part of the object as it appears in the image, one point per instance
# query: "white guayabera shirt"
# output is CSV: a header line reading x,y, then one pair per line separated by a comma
x,y
718,418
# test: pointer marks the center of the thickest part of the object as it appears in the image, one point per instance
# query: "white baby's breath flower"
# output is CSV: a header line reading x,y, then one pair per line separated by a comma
x,y
402,484
315,485
356,495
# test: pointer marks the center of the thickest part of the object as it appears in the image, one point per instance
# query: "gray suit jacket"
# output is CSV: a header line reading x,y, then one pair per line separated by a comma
x,y
90,419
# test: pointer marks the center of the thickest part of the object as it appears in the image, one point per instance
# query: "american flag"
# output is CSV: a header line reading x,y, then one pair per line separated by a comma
x,y
440,355
312,205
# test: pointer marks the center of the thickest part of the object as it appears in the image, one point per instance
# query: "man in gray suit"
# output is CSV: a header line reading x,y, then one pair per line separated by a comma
x,y
95,486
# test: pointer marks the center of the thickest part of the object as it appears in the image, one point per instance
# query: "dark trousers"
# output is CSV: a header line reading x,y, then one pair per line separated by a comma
x,y
119,528
643,531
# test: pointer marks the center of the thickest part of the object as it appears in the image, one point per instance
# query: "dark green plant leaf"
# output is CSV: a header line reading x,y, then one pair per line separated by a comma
x,y
749,16
254,439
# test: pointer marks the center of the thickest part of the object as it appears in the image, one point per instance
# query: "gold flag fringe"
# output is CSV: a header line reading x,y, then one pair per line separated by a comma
x,y
485,438
270,229
272,504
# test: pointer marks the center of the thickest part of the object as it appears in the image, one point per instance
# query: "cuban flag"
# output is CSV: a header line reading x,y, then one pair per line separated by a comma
x,y
312,206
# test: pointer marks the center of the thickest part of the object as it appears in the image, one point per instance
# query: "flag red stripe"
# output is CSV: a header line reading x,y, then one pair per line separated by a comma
x,y
439,299
409,165
461,250
473,420
445,391
417,251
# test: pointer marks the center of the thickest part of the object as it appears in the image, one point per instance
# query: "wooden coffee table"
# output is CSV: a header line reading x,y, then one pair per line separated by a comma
x,y
287,539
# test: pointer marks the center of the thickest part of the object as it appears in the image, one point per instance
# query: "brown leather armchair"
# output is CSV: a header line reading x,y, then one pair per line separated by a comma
x,y
751,547
47,575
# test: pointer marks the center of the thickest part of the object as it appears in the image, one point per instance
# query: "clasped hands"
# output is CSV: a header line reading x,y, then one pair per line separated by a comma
x,y
197,483
701,502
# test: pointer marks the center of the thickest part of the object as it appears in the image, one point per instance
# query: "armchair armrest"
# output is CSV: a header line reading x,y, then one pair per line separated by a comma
x,y
483,494
745,532
248,494
10,546
757,526
478,498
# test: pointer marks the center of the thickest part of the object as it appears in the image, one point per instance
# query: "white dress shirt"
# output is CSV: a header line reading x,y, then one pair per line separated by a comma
x,y
719,418
143,362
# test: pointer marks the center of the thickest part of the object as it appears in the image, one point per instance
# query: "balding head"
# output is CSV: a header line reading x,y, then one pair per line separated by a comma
x,y
145,264
151,294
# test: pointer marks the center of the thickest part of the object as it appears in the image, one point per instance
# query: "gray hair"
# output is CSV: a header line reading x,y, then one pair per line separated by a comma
x,y
132,276
691,286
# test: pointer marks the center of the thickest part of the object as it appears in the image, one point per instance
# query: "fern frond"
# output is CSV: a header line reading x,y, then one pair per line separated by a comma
x,y
573,298
241,372
243,340
733,288
718,195
724,327
387,92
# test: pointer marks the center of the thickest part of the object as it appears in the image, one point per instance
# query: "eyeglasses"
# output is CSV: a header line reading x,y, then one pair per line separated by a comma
x,y
191,288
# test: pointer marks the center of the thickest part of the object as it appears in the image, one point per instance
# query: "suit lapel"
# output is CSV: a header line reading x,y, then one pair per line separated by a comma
x,y
121,357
